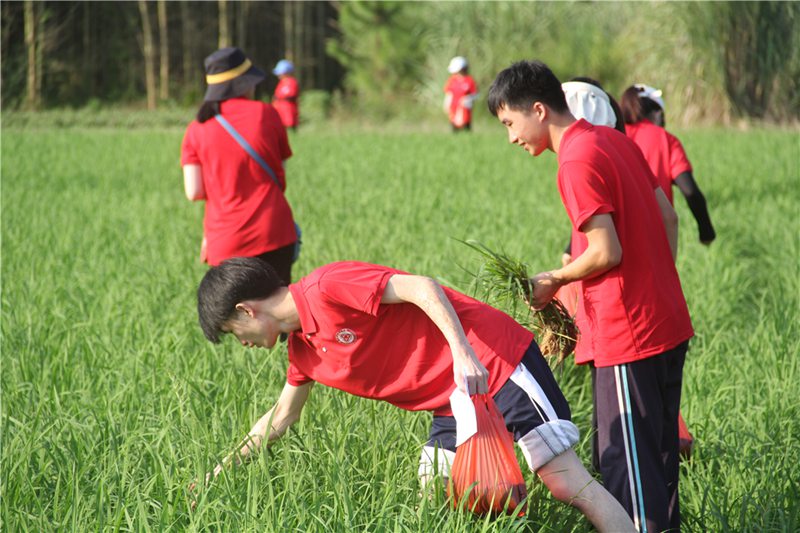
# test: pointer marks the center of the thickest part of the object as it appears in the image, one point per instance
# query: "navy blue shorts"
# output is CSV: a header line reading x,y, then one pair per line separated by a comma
x,y
534,409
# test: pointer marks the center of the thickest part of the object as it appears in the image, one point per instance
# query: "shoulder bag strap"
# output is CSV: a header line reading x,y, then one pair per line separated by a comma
x,y
247,148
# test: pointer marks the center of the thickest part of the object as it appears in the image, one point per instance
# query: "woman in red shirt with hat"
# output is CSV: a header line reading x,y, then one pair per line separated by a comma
x,y
643,111
232,157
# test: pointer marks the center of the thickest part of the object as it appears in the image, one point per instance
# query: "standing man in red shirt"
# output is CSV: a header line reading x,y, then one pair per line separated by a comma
x,y
380,333
246,211
632,315
286,94
460,92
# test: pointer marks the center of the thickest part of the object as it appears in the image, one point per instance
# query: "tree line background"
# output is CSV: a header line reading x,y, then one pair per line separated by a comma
x,y
716,61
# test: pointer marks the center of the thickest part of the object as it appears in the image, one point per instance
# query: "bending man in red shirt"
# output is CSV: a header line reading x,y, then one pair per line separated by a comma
x,y
632,315
380,333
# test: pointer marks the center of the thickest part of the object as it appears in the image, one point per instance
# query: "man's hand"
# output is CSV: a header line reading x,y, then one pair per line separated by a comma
x,y
545,286
193,489
469,372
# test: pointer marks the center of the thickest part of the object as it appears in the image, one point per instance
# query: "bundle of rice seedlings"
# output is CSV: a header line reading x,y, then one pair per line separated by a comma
x,y
507,279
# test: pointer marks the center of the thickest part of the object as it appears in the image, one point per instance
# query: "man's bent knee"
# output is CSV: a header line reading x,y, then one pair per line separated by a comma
x,y
434,461
547,441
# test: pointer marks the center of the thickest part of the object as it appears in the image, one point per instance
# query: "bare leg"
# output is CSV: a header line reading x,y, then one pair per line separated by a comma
x,y
569,482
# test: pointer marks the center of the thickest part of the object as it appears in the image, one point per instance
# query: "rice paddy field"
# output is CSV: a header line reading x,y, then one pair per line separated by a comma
x,y
113,402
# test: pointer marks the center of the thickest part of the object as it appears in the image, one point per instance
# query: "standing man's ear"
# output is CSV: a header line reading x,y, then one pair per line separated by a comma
x,y
540,110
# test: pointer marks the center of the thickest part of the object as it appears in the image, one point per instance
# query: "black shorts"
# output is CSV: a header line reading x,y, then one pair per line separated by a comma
x,y
534,409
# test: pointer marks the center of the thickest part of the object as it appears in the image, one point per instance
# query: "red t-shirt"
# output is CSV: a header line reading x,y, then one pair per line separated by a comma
x,y
246,212
391,352
285,100
460,86
636,309
663,152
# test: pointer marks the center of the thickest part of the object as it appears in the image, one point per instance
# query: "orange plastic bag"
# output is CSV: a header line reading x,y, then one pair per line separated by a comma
x,y
485,475
685,439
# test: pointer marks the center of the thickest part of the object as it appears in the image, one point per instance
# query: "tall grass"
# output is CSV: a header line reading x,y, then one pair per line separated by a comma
x,y
112,402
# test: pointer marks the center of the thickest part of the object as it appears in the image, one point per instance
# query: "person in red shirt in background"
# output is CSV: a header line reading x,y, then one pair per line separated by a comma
x,y
634,322
460,92
643,111
286,94
381,333
246,211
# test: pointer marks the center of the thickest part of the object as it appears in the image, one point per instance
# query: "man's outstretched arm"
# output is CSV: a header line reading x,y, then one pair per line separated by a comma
x,y
271,426
428,295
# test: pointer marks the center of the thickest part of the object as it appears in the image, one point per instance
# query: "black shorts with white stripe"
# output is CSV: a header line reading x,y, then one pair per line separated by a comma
x,y
534,409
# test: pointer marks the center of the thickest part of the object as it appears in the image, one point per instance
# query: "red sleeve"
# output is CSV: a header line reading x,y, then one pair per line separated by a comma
x,y
188,150
296,378
584,192
273,120
283,141
358,286
473,87
678,162
447,84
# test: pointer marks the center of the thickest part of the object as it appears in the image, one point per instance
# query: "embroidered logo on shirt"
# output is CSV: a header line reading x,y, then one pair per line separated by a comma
x,y
345,336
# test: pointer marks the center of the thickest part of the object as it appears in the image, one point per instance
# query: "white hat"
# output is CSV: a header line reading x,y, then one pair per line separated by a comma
x,y
457,64
650,92
589,102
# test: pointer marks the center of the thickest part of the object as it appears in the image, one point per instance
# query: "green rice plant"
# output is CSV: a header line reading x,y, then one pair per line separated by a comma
x,y
507,279
113,402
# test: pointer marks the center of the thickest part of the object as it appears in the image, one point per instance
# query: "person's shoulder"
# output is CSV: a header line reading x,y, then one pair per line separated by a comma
x,y
244,104
264,110
647,128
355,273
192,127
578,137
350,268
193,130
672,139
589,144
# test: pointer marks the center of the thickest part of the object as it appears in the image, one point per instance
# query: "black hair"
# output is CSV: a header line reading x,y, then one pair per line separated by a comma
x,y
233,281
522,84
635,107
619,124
208,110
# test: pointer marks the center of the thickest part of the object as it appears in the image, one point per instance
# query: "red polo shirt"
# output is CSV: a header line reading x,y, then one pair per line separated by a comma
x,y
246,212
391,352
662,150
636,309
